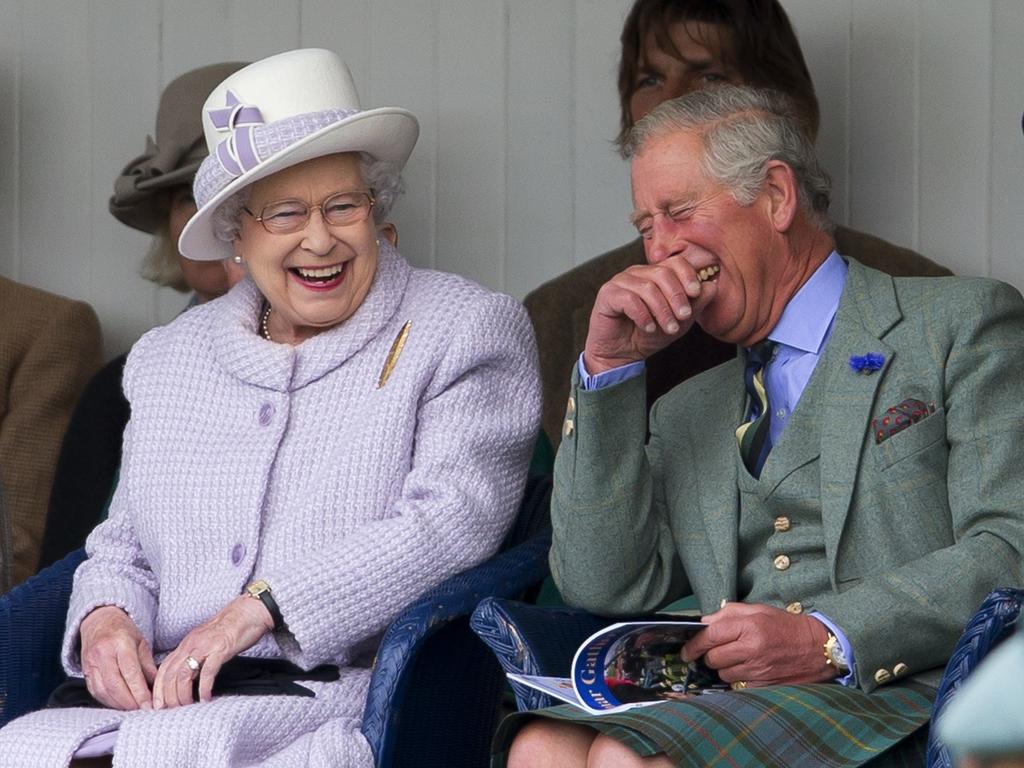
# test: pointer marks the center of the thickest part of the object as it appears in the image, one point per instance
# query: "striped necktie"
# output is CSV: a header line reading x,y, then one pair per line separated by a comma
x,y
753,435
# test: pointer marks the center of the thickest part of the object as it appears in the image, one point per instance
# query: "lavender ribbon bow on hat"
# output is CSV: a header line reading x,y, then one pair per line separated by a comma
x,y
237,153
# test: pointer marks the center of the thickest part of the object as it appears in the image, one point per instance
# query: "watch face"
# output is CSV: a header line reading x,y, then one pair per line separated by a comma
x,y
834,649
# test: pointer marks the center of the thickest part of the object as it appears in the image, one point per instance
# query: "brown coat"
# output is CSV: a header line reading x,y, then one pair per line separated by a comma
x,y
560,311
49,348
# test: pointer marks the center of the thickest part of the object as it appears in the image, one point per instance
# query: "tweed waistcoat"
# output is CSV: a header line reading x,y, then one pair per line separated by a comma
x,y
780,514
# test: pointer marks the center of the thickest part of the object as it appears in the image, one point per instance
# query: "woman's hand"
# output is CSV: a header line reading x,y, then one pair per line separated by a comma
x,y
116,661
237,626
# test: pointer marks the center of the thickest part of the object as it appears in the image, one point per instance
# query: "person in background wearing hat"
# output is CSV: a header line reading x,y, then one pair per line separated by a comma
x,y
305,456
152,194
49,347
669,48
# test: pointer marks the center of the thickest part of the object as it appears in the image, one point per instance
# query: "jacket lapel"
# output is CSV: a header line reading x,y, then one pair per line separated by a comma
x,y
867,311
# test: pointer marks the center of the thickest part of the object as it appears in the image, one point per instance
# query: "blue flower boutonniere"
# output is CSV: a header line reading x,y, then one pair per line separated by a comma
x,y
867,364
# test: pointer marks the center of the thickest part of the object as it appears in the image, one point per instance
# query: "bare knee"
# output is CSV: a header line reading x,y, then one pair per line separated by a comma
x,y
606,752
551,744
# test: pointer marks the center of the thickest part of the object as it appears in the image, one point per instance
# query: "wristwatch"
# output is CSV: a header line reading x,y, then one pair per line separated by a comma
x,y
835,656
260,590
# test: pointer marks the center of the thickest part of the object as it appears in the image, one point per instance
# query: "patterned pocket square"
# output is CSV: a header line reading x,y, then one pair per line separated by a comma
x,y
899,417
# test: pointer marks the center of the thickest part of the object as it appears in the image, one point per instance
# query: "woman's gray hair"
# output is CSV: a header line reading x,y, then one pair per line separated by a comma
x,y
379,175
742,129
160,264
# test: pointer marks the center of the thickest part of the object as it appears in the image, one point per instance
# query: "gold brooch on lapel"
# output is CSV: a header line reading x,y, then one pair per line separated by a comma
x,y
867,364
396,350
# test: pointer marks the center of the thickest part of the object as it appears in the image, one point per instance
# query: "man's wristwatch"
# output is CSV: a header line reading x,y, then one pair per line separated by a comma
x,y
835,656
260,590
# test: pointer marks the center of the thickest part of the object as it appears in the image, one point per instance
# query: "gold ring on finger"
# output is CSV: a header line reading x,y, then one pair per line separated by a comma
x,y
739,685
193,663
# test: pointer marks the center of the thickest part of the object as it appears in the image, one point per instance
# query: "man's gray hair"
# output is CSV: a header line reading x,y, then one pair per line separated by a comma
x,y
378,175
742,129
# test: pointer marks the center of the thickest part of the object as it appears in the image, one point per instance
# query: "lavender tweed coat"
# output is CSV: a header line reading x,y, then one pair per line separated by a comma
x,y
245,459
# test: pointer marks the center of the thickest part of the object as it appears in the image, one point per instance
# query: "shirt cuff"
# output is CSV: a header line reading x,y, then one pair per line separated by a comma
x,y
609,377
850,678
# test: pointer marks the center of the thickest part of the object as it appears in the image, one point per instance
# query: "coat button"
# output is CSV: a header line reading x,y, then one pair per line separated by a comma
x,y
266,414
237,553
782,524
567,428
883,676
796,608
781,562
900,669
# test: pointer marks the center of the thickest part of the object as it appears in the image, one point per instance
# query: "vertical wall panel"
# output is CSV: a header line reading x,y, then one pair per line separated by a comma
x,y
56,146
124,101
955,136
1006,212
10,155
883,189
823,28
410,80
471,139
602,200
260,28
539,239
342,26
194,33
515,176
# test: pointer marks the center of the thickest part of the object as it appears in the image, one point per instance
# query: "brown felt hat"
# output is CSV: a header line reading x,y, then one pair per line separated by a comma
x,y
178,151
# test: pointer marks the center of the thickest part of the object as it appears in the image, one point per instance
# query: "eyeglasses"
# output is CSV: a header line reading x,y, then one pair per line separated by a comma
x,y
341,209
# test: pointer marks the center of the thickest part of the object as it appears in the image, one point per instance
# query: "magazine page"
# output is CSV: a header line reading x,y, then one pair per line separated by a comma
x,y
636,663
562,688
558,687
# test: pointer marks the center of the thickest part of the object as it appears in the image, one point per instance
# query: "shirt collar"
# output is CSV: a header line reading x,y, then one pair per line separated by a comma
x,y
808,315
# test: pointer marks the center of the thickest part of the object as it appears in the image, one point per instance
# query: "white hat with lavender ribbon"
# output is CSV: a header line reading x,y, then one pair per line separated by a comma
x,y
279,112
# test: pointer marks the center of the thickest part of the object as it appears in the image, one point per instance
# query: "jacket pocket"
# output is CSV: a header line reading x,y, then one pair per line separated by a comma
x,y
912,440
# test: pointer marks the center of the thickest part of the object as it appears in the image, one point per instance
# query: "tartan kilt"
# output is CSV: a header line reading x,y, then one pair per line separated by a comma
x,y
797,726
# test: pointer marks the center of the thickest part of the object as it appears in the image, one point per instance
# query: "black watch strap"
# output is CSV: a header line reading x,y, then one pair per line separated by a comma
x,y
261,591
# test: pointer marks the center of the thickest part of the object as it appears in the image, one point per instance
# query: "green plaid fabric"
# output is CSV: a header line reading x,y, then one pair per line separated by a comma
x,y
798,726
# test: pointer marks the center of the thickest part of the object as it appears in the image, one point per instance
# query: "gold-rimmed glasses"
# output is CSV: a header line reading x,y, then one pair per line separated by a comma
x,y
283,217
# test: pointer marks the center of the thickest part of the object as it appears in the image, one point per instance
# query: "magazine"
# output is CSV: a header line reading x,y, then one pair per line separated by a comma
x,y
630,664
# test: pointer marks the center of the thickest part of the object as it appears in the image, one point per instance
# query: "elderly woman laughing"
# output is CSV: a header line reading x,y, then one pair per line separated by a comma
x,y
305,455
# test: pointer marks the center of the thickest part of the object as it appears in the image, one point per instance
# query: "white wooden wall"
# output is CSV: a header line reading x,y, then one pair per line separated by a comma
x,y
514,179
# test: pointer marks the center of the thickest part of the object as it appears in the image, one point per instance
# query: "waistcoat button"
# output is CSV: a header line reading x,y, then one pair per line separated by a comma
x,y
781,562
796,607
782,524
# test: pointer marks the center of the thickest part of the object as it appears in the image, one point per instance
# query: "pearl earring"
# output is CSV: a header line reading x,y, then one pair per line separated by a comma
x,y
237,259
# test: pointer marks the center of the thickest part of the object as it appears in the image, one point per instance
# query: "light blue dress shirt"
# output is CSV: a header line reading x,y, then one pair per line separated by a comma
x,y
801,335
802,332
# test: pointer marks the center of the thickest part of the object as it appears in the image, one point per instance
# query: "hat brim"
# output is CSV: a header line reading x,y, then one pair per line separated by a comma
x,y
141,210
386,133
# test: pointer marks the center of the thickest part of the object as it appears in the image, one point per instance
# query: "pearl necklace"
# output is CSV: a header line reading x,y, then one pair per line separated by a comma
x,y
264,327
